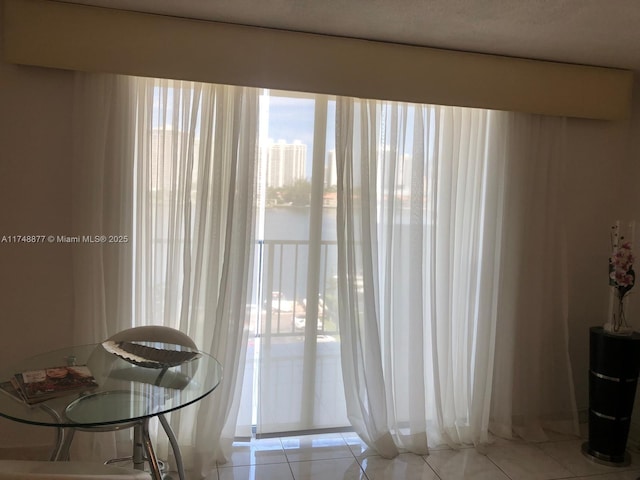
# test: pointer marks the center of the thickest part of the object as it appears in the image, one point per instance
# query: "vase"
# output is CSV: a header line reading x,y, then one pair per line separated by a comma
x,y
617,324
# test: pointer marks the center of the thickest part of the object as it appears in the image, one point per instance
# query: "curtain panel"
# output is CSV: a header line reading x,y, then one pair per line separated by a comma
x,y
450,256
103,155
102,194
172,165
450,219
533,381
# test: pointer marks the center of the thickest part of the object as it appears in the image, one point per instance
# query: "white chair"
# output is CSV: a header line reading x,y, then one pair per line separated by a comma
x,y
160,333
41,470
149,333
154,333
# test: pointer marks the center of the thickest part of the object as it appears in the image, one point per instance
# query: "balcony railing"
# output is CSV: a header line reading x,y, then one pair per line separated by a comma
x,y
283,278
293,357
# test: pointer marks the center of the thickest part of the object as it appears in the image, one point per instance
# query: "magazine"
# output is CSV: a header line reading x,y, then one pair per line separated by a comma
x,y
8,388
37,386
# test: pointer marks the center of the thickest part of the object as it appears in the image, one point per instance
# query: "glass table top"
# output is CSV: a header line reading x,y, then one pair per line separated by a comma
x,y
125,391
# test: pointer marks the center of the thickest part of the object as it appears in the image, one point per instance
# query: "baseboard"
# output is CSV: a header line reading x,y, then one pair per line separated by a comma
x,y
31,452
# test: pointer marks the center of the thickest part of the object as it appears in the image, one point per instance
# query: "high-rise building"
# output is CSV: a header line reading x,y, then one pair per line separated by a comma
x,y
286,163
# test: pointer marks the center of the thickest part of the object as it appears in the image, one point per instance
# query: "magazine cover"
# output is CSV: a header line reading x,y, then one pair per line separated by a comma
x,y
40,385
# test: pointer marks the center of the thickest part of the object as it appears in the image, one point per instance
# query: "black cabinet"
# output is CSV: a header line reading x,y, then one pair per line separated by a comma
x,y
614,362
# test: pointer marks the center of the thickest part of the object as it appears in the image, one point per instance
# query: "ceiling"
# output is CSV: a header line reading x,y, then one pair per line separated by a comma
x,y
590,32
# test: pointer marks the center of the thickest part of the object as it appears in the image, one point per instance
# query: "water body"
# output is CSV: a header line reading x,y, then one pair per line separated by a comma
x,y
287,264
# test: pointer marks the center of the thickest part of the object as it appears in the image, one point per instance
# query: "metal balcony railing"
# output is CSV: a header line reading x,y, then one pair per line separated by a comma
x,y
283,278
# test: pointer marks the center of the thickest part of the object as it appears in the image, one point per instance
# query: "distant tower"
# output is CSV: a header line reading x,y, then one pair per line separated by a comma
x,y
286,163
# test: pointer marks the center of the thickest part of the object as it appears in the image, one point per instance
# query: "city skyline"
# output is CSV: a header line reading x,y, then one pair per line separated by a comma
x,y
289,120
292,119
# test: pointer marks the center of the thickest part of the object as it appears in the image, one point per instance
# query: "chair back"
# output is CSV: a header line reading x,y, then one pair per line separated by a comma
x,y
178,377
154,333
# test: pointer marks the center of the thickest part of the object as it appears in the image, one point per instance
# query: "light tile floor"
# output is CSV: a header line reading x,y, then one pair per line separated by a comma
x,y
345,457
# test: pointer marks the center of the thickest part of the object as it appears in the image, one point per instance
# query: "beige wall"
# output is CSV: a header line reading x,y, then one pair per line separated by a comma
x,y
597,195
603,177
35,198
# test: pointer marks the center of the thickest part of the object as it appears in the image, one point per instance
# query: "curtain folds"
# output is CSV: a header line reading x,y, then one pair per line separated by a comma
x,y
194,237
188,202
103,146
365,392
533,382
451,256
438,209
102,193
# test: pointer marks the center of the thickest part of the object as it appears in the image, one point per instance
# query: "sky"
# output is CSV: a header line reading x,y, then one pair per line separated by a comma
x,y
291,119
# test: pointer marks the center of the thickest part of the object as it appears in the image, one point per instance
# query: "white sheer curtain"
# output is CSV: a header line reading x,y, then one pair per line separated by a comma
x,y
191,220
533,383
103,152
103,143
427,204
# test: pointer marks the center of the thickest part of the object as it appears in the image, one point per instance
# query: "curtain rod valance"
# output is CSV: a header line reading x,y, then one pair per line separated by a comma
x,y
79,37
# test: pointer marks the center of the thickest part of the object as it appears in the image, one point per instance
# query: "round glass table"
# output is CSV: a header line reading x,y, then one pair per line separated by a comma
x,y
128,393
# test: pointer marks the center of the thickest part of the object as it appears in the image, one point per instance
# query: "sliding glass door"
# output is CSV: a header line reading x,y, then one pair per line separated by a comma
x,y
293,379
